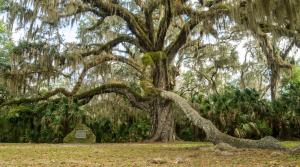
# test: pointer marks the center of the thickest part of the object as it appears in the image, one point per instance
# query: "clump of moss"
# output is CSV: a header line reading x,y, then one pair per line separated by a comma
x,y
222,6
90,137
147,60
150,58
157,56
148,88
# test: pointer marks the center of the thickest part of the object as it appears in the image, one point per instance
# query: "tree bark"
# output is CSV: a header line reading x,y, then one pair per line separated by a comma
x,y
212,133
163,124
275,71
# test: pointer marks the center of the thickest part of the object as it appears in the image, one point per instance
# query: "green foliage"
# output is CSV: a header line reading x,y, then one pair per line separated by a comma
x,y
209,2
295,74
158,56
286,111
114,120
44,122
108,130
239,112
3,94
242,113
52,121
19,124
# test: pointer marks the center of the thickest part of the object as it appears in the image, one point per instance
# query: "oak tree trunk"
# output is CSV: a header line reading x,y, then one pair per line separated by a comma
x,y
163,125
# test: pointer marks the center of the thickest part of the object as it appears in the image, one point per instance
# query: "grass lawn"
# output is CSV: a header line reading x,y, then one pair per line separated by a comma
x,y
187,154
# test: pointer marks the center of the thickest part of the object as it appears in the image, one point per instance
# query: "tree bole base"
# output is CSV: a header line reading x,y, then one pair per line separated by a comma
x,y
163,125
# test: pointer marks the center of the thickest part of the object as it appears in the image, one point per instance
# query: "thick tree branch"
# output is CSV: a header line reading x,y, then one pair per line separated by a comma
x,y
164,25
195,18
87,65
133,23
93,27
111,57
172,50
149,24
82,8
109,45
79,81
135,99
293,34
37,99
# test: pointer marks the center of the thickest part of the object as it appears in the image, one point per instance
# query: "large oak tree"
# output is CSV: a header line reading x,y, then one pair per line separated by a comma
x,y
156,31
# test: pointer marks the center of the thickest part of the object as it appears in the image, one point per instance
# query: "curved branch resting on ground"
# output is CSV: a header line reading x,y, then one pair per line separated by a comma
x,y
212,133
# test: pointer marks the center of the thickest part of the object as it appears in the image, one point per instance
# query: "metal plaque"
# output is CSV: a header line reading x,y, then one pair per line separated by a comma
x,y
80,134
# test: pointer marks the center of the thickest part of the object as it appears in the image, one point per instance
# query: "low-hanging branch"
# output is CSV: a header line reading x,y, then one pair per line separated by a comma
x,y
120,88
87,66
137,100
38,98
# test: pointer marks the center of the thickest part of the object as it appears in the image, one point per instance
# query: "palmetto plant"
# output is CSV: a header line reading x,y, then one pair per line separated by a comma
x,y
238,112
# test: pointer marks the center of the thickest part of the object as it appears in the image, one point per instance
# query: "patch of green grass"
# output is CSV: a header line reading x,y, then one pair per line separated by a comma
x,y
290,144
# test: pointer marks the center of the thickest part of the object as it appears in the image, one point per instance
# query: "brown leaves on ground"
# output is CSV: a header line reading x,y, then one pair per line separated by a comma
x,y
183,154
